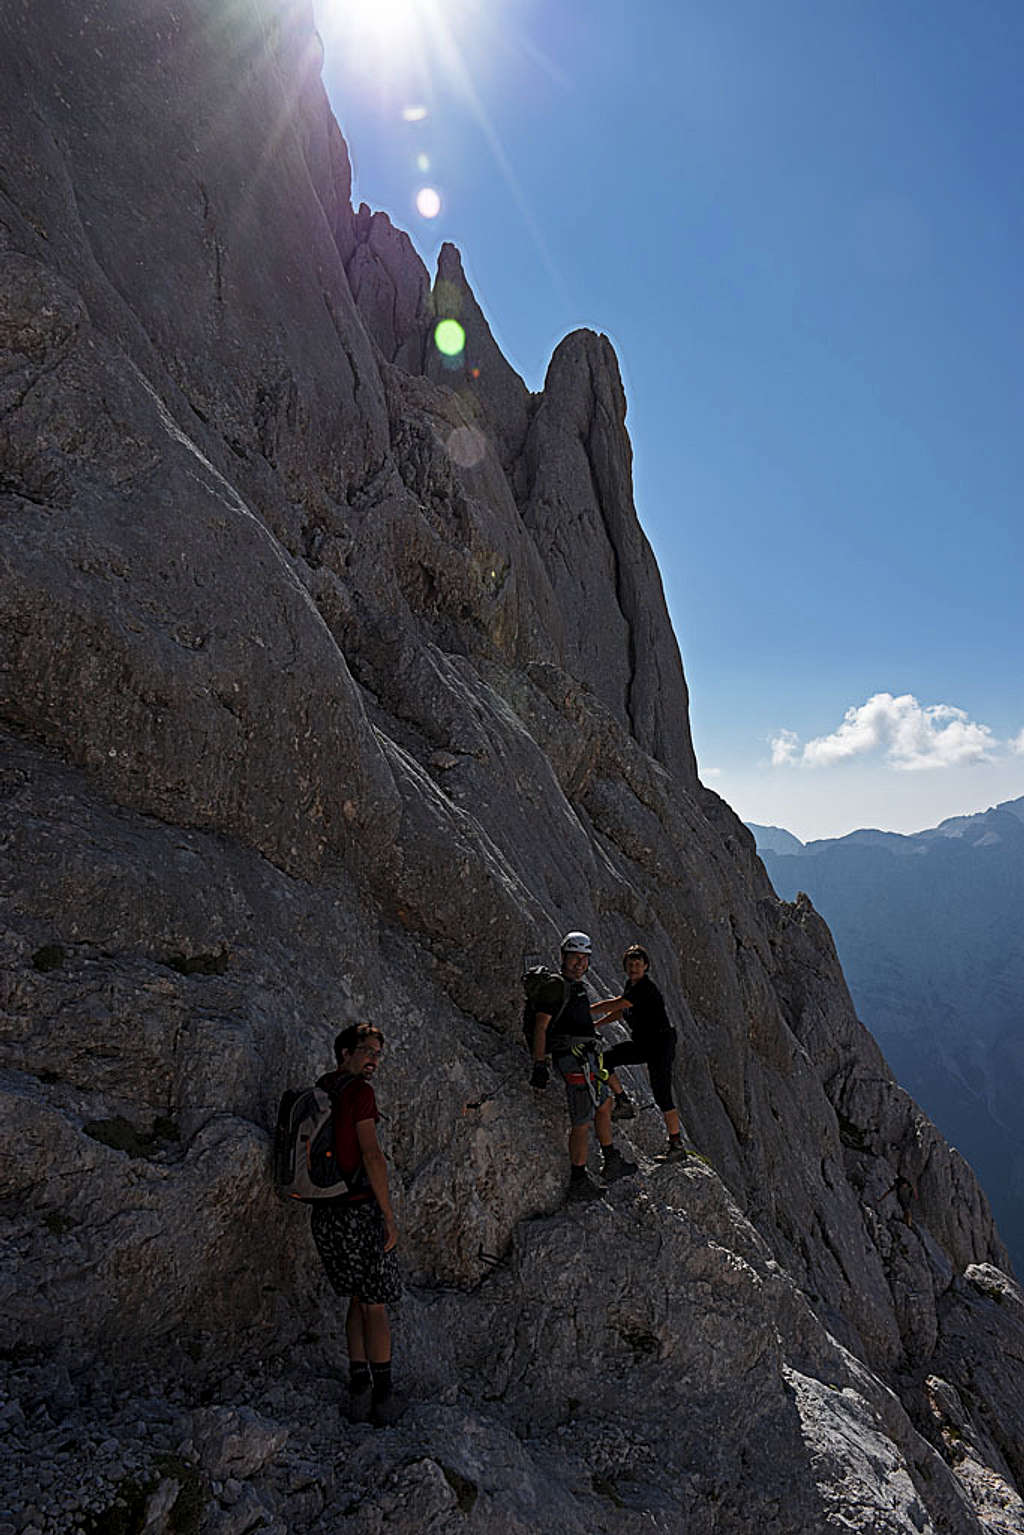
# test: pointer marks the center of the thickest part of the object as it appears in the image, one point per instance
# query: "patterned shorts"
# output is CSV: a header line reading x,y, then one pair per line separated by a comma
x,y
350,1240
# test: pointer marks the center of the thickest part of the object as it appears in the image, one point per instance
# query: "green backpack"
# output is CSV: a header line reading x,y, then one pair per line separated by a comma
x,y
535,981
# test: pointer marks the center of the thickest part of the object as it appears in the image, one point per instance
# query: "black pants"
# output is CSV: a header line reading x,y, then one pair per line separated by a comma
x,y
656,1054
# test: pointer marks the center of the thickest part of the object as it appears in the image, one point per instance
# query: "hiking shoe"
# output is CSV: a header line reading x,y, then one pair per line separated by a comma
x,y
624,1107
583,1189
616,1165
676,1152
358,1409
388,1410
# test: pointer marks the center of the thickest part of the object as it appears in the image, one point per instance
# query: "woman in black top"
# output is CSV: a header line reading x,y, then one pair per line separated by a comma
x,y
652,1043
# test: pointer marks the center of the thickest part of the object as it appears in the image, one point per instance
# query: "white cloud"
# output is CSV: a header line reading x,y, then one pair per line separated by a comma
x,y
784,747
910,737
1017,744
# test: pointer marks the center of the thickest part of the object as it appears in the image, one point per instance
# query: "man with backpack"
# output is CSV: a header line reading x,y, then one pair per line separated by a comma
x,y
563,1024
355,1233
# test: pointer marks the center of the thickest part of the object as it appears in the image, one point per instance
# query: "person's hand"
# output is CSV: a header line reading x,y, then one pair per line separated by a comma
x,y
539,1076
391,1239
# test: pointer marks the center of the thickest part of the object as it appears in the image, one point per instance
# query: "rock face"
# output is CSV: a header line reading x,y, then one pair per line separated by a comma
x,y
334,683
928,929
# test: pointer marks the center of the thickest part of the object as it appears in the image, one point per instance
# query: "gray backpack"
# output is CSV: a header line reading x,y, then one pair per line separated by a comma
x,y
305,1161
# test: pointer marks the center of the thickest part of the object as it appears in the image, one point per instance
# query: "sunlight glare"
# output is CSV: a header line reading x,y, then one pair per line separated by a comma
x,y
449,338
467,448
428,203
386,34
391,19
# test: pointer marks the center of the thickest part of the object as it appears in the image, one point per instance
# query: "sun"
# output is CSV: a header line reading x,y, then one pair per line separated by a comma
x,y
388,33
390,19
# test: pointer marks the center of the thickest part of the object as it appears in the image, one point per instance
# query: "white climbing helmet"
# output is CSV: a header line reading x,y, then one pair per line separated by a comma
x,y
576,943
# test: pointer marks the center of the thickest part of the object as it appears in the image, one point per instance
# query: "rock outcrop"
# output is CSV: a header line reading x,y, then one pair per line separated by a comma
x,y
928,931
333,683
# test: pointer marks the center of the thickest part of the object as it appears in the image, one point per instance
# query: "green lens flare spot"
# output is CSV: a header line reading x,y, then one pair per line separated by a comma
x,y
449,338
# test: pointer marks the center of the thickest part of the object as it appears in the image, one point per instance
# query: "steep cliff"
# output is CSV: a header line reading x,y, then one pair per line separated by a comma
x,y
928,929
334,682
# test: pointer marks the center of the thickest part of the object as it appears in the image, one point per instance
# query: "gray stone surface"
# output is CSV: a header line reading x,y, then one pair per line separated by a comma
x,y
390,286
579,508
330,690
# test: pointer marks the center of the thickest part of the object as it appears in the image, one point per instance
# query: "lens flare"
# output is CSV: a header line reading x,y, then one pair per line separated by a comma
x,y
428,203
414,114
467,447
423,163
449,338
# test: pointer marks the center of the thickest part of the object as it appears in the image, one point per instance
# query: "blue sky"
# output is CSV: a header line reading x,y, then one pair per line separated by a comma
x,y
801,224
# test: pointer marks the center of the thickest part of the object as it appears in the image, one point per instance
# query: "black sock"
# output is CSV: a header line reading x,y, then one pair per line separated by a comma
x,y
577,1174
381,1381
675,1140
358,1375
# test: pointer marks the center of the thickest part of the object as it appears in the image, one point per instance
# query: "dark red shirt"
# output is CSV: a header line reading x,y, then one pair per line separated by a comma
x,y
354,1101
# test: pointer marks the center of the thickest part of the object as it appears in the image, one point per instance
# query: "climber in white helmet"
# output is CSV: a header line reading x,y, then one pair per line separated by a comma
x,y
564,1028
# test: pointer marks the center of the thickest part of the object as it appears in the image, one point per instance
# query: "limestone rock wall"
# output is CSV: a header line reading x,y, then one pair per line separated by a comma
x,y
334,682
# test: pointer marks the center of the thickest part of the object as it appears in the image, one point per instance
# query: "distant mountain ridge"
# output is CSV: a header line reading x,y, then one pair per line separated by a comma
x,y
928,928
775,839
974,829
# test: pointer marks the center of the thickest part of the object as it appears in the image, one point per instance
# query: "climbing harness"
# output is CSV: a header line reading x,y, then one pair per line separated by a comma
x,y
587,1050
